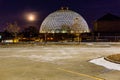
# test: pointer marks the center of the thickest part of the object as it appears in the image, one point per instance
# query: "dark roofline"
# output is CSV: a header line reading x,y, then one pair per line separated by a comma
x,y
109,17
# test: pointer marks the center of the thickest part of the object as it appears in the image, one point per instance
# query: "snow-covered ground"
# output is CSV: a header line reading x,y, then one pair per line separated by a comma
x,y
105,63
60,52
46,58
49,54
42,62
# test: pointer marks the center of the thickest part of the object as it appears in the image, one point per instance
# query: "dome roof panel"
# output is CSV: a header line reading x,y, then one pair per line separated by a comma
x,y
64,19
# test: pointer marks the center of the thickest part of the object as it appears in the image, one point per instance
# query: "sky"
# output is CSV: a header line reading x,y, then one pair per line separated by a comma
x,y
91,10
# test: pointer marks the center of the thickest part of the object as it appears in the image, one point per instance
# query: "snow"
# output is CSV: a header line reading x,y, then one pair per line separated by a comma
x,y
47,58
57,53
105,63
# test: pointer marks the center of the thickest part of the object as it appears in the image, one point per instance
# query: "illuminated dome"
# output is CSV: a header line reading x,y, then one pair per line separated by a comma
x,y
64,21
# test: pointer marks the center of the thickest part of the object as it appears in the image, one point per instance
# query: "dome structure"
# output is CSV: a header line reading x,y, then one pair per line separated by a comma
x,y
64,21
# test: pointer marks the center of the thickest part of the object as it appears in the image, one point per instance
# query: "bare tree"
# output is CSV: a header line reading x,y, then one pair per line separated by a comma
x,y
13,28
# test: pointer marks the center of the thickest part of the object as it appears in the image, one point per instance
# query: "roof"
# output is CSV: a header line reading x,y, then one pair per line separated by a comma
x,y
109,17
64,21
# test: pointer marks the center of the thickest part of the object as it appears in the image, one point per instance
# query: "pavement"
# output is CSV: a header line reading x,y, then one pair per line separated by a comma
x,y
57,62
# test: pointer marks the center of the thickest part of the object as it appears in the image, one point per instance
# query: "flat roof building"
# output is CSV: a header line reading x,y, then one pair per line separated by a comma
x,y
107,23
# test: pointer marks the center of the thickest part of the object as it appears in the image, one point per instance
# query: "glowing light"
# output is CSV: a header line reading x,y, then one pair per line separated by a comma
x,y
31,17
63,22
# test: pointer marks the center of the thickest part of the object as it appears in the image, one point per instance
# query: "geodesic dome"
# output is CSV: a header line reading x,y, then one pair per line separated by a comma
x,y
64,21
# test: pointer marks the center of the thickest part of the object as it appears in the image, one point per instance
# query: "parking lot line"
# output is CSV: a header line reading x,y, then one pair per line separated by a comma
x,y
80,74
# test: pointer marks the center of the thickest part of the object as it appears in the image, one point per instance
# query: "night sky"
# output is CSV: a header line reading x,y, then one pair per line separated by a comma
x,y
14,10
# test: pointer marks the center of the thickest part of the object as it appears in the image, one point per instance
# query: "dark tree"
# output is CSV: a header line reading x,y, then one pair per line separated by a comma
x,y
7,35
30,32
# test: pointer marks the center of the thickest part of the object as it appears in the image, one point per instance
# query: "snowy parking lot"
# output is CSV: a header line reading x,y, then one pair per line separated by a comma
x,y
59,62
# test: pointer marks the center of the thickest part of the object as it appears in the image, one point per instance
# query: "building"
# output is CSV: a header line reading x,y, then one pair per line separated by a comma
x,y
63,24
107,28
